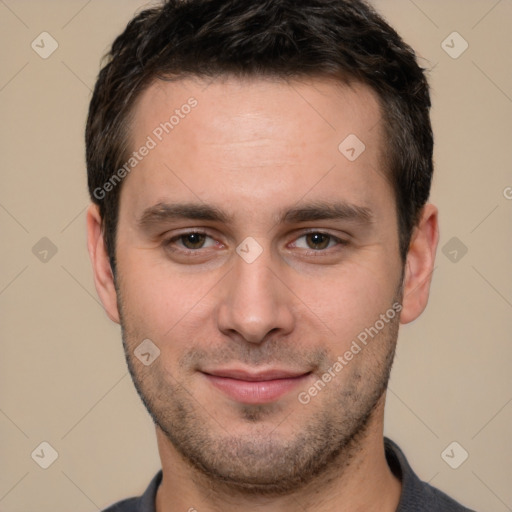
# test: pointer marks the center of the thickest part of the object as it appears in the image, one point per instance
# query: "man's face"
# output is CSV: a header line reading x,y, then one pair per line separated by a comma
x,y
257,294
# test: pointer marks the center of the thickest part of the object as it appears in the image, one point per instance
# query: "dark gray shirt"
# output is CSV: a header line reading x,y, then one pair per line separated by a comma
x,y
417,496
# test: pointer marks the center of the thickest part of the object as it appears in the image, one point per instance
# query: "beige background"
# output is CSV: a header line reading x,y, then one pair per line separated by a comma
x,y
63,378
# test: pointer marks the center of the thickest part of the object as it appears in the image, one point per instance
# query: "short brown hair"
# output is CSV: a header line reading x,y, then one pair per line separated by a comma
x,y
345,39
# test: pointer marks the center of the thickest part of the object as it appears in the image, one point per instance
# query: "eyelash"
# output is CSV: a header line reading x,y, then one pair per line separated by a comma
x,y
315,252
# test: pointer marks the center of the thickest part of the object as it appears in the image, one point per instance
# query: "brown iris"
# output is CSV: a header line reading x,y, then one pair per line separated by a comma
x,y
317,241
193,240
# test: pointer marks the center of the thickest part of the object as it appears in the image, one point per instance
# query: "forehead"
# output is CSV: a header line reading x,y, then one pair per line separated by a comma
x,y
259,140
252,103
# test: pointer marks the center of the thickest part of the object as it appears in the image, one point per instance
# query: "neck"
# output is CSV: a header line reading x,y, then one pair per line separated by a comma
x,y
358,480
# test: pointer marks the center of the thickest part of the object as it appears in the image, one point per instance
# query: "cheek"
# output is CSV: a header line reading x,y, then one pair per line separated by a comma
x,y
157,301
351,298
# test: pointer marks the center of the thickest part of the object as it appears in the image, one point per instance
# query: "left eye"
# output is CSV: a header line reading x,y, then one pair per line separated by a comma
x,y
317,241
193,240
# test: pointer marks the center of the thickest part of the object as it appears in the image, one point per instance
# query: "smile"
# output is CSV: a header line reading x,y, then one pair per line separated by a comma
x,y
252,388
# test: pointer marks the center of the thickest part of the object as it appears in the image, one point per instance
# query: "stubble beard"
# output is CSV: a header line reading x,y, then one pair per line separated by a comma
x,y
263,463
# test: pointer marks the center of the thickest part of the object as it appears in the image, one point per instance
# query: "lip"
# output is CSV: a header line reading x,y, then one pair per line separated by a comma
x,y
255,387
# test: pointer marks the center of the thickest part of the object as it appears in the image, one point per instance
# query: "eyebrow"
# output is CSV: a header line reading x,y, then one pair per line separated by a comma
x,y
318,210
164,212
321,210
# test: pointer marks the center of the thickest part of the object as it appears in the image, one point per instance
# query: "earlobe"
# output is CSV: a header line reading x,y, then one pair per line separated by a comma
x,y
103,277
420,265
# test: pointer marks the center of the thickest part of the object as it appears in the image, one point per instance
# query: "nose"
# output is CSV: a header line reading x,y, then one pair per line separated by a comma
x,y
254,303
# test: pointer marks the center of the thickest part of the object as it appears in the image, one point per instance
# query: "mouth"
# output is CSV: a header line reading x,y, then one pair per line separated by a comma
x,y
255,387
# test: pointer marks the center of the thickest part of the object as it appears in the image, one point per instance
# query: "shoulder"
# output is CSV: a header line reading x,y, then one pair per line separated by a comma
x,y
442,501
144,503
127,505
417,496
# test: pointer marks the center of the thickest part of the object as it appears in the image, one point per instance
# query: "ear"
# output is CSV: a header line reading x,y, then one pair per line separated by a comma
x,y
103,276
420,265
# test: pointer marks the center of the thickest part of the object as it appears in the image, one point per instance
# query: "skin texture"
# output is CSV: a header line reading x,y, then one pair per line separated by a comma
x,y
254,149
